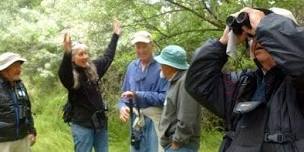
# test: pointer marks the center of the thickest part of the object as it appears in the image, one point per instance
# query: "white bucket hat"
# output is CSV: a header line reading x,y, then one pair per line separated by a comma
x,y
8,58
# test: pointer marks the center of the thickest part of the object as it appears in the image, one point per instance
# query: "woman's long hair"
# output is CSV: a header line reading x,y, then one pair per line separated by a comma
x,y
90,71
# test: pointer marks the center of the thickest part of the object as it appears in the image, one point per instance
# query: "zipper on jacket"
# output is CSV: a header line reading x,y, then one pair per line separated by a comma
x,y
16,110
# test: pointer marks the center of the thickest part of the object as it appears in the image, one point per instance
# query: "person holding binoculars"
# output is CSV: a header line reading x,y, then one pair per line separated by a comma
x,y
263,108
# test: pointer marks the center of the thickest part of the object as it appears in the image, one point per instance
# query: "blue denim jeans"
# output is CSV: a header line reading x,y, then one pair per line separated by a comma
x,y
149,141
86,138
185,148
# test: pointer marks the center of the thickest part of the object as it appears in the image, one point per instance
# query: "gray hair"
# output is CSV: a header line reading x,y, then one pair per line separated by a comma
x,y
90,71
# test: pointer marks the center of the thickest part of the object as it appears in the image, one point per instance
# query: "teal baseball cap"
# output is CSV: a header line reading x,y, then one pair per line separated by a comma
x,y
174,56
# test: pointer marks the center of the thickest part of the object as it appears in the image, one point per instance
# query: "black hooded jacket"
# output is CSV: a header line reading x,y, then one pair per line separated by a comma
x,y
83,98
275,125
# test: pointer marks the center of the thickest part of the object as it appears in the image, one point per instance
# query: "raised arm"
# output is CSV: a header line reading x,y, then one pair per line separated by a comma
x,y
104,61
66,68
204,80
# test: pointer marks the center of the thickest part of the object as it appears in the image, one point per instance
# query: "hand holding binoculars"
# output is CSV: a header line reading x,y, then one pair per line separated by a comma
x,y
236,23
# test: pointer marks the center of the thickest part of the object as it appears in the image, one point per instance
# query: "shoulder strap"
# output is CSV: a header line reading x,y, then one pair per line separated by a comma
x,y
242,92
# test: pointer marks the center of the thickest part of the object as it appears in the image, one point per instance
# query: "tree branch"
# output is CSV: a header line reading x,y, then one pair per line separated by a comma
x,y
208,10
147,23
189,31
164,13
186,8
196,13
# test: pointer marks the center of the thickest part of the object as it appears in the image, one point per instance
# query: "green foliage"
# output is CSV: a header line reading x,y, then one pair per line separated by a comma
x,y
53,134
210,140
34,28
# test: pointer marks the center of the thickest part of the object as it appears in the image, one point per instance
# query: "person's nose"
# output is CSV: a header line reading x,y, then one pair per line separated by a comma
x,y
86,56
139,50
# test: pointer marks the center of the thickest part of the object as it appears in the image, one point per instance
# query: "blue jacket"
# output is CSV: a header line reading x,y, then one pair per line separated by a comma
x,y
150,91
149,87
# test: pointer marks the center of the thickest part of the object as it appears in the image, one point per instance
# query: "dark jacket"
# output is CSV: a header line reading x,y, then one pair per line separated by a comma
x,y
16,120
180,120
272,126
86,99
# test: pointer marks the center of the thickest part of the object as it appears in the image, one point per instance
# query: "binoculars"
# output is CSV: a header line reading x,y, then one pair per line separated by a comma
x,y
136,136
236,23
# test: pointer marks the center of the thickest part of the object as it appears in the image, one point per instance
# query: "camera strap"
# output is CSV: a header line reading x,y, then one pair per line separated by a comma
x,y
131,106
135,131
131,111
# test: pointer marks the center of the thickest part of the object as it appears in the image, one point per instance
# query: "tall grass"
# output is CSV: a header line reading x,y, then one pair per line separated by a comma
x,y
55,136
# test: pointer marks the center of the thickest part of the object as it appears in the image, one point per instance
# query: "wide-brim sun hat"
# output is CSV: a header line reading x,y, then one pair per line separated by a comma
x,y
8,58
174,56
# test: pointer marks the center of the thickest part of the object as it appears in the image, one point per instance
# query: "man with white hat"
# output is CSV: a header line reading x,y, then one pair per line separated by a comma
x,y
143,85
263,108
180,121
17,132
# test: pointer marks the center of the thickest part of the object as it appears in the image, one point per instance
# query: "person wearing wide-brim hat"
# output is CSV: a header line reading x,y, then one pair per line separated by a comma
x,y
180,121
17,132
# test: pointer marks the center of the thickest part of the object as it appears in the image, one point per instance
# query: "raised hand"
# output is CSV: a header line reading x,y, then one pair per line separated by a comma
x,y
116,27
67,43
224,38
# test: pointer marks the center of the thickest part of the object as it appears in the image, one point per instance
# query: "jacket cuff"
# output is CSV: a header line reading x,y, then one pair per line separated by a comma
x,y
139,98
115,36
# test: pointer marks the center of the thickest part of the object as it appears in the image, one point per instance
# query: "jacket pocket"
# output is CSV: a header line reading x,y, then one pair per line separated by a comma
x,y
299,145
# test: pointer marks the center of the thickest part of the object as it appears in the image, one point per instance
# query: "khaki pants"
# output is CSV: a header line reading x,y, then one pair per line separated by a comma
x,y
21,145
154,114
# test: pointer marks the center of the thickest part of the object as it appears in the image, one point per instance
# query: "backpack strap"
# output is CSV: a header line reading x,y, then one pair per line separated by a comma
x,y
256,118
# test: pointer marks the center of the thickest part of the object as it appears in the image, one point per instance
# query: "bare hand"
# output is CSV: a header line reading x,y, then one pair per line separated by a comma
x,y
128,95
116,27
224,38
67,43
175,145
124,114
32,139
